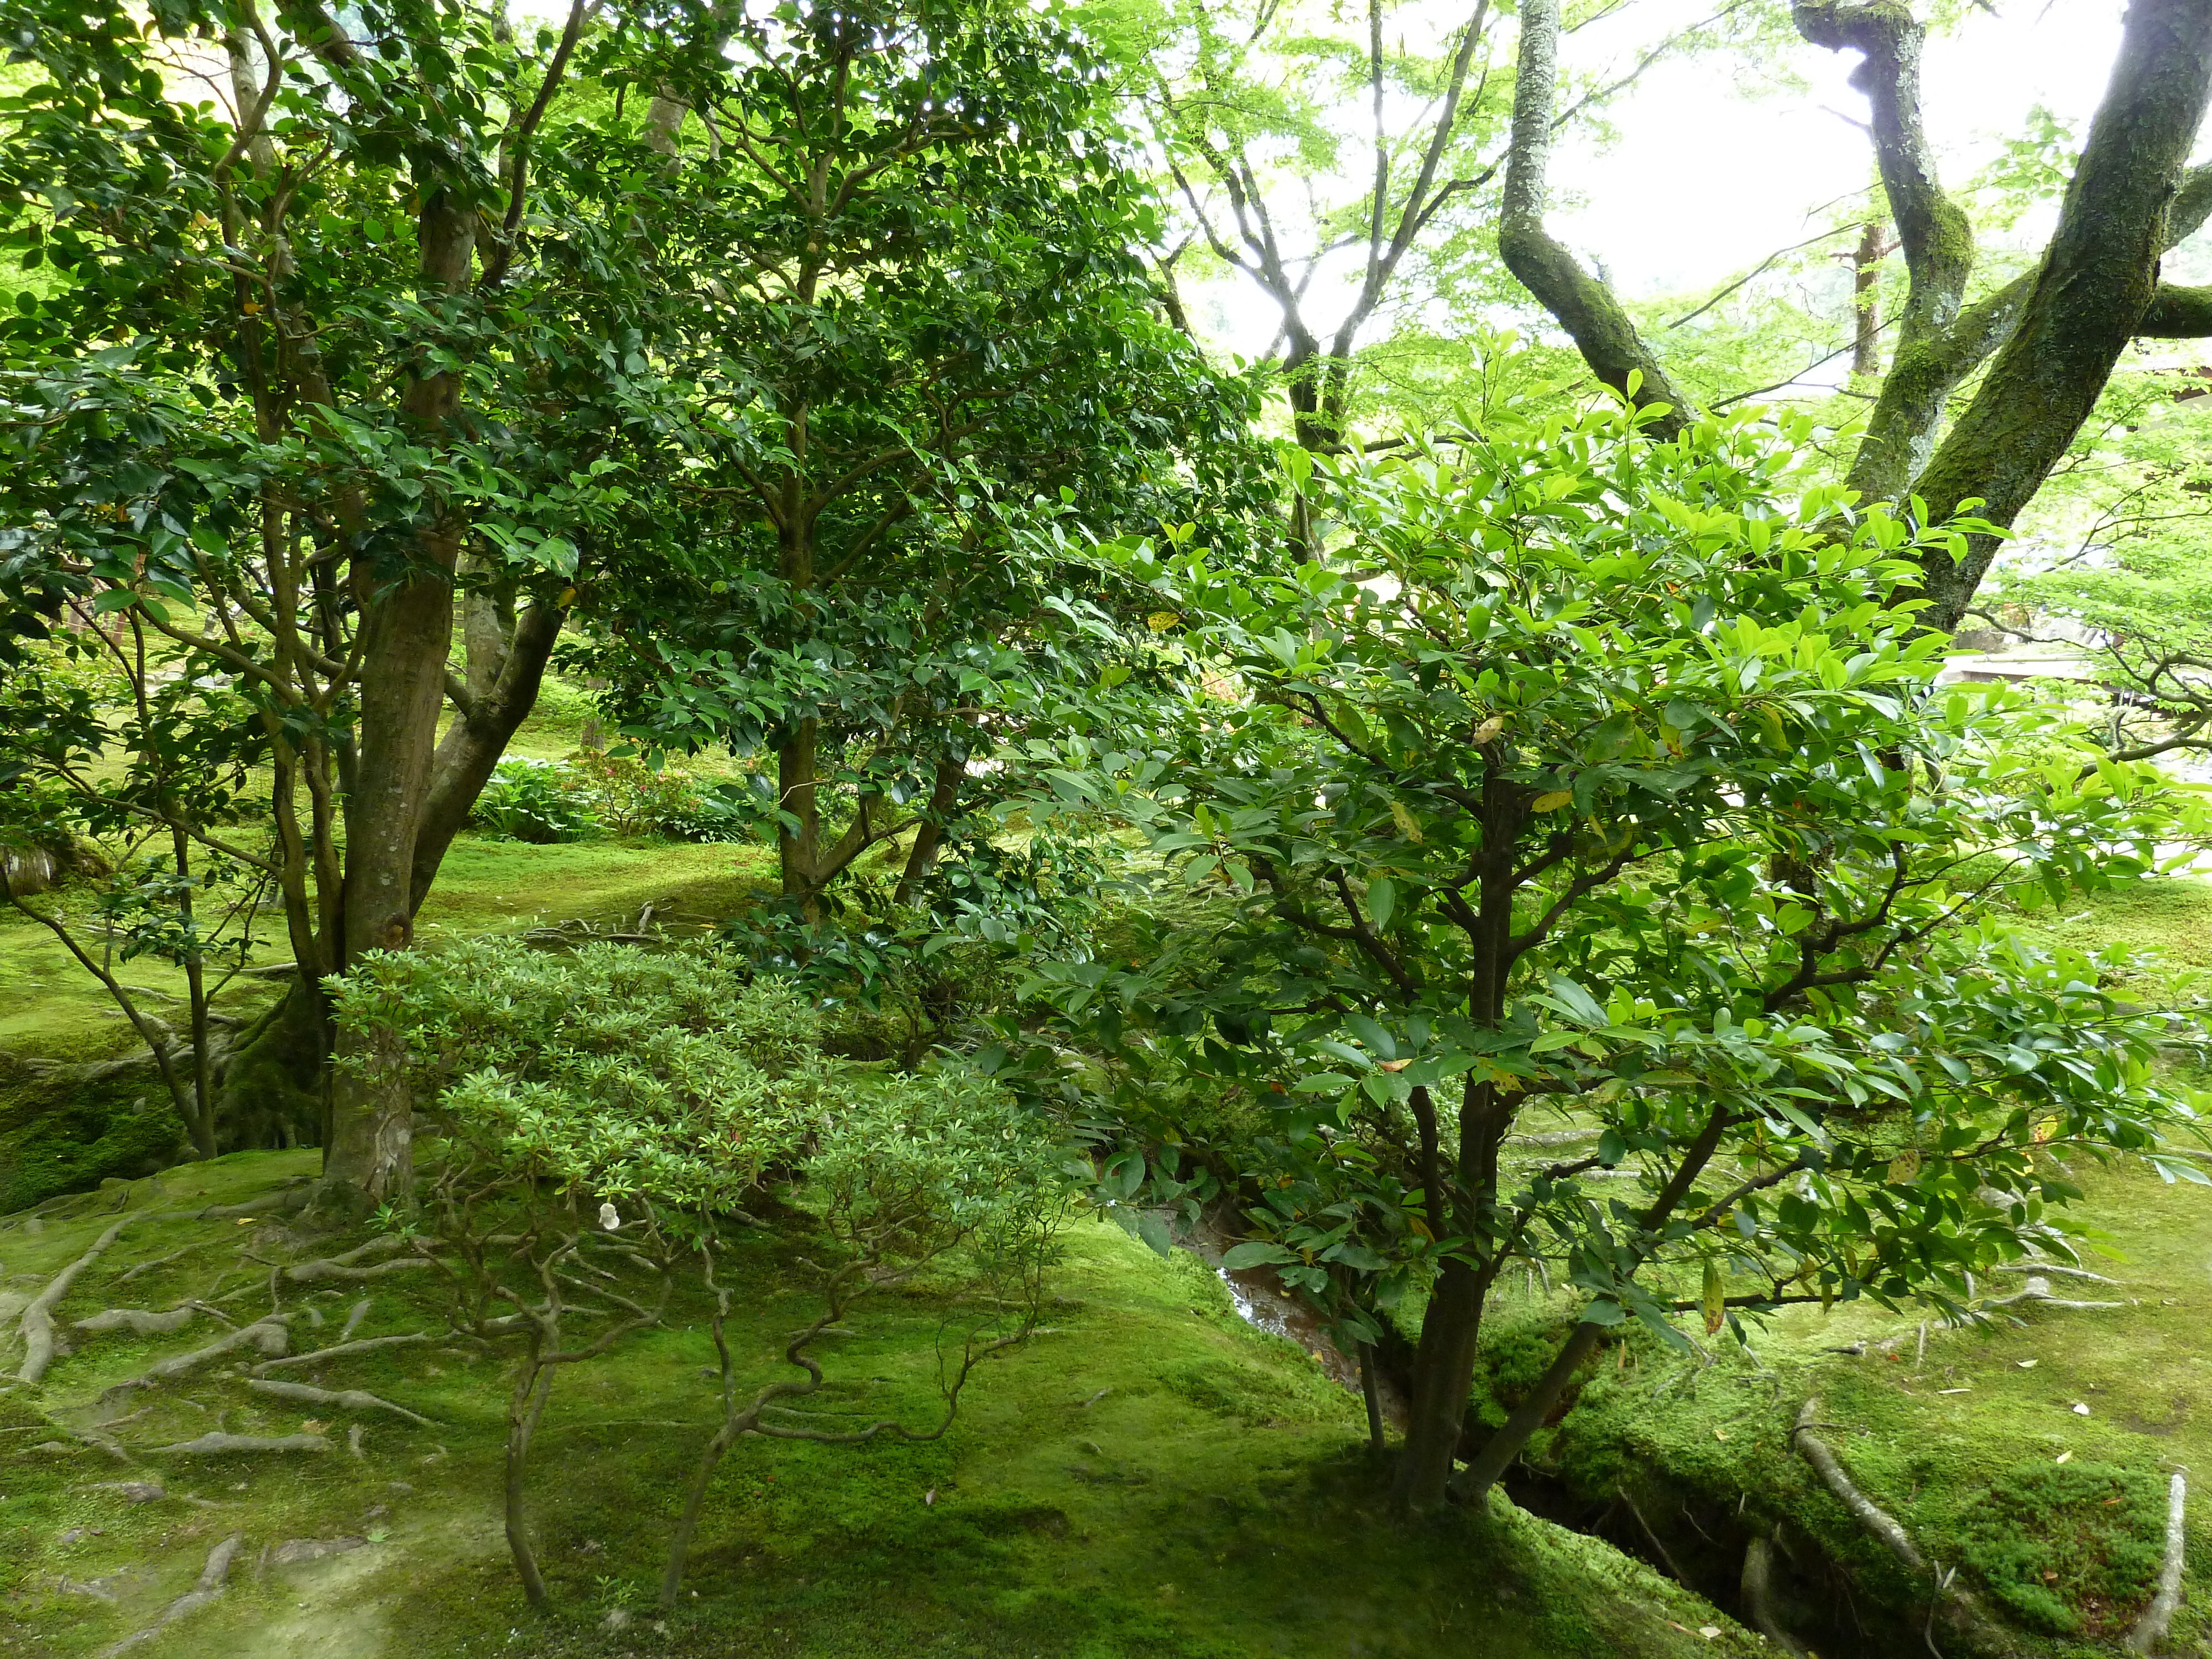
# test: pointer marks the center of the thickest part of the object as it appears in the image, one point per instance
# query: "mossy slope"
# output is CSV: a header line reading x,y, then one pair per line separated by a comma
x,y
1148,1477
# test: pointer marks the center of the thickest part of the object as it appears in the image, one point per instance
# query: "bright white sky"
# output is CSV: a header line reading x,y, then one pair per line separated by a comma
x,y
1714,169
1715,164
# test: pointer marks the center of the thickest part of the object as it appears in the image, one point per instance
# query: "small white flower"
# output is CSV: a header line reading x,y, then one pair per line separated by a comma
x,y
608,1218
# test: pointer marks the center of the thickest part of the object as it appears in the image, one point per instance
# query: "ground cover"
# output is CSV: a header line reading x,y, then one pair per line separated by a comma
x,y
1150,1476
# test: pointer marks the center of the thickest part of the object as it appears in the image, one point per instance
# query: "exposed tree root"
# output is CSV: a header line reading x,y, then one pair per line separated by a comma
x,y
1870,1515
352,1319
1883,1525
351,1400
37,1323
268,1336
292,1196
219,1445
310,1272
2150,1630
130,1274
338,1351
210,1588
139,1322
2037,1291
2058,1267
1759,1597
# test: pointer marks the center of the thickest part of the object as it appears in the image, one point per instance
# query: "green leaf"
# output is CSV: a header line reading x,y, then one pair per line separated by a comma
x,y
1254,1252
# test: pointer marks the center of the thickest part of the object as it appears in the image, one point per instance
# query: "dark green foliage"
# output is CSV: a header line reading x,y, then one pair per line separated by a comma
x,y
533,800
61,1135
2069,1547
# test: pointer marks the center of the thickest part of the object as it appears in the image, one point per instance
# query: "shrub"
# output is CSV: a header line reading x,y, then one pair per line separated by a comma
x,y
533,800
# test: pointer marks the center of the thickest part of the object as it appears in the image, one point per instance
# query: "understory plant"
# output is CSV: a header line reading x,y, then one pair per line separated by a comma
x,y
1602,787
602,1121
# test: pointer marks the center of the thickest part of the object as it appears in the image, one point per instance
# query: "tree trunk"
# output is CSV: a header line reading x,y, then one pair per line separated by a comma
x,y
402,690
369,1159
799,849
1498,1452
476,739
2096,283
944,795
1581,303
1443,1377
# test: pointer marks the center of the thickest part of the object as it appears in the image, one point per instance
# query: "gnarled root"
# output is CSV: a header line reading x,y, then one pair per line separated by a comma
x,y
292,1196
1883,1525
207,1589
268,1336
338,1351
139,1322
1759,1597
37,1323
220,1445
351,1400
2150,1630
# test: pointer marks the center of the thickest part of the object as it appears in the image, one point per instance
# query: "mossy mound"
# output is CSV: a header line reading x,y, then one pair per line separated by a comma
x,y
1148,1477
2068,1548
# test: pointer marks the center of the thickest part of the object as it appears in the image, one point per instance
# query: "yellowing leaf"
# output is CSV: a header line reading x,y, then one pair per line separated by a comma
x,y
1160,621
252,307
1552,802
1404,820
568,597
1715,1297
1489,729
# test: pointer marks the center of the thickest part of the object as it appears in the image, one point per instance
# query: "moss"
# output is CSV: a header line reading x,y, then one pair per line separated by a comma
x,y
2067,1548
1085,1506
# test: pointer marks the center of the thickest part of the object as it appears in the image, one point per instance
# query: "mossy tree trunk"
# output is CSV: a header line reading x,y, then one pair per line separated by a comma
x,y
2050,338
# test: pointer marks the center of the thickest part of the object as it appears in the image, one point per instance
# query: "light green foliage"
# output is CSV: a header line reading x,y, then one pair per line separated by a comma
x,y
1598,772
611,1072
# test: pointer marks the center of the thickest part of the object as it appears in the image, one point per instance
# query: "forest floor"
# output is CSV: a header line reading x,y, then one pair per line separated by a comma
x,y
1148,1477
1152,1476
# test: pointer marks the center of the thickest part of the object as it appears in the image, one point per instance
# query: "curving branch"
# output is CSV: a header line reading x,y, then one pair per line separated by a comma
x,y
2097,280
1581,303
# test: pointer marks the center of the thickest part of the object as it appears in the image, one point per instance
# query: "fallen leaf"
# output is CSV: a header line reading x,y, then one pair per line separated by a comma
x,y
1709,1631
1719,1434
2080,1410
2025,1365
312,1426
2063,1457
930,1497
1954,1391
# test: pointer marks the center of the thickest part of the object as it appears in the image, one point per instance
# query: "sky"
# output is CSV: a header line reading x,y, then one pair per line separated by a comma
x,y
1713,162
1715,166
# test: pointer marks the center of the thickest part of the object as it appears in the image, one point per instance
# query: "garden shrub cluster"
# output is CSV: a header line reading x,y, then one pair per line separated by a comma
x,y
591,793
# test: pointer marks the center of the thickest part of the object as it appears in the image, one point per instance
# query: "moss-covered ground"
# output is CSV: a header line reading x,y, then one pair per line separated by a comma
x,y
1148,1477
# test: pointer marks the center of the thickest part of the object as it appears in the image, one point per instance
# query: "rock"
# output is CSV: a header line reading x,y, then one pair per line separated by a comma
x,y
133,1491
616,1618
58,1446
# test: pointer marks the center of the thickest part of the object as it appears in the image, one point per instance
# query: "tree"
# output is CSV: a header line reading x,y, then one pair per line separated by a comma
x,y
2050,337
686,1088
1598,775
919,315
315,371
1249,108
176,892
